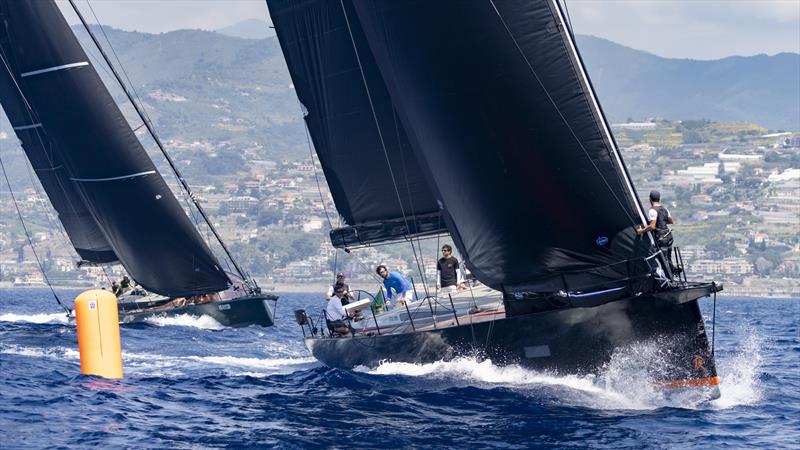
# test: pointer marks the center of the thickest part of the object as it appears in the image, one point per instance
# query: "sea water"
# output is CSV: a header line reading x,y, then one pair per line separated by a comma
x,y
192,383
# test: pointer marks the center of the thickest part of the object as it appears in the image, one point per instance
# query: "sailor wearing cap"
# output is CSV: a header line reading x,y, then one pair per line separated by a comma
x,y
658,218
335,315
339,284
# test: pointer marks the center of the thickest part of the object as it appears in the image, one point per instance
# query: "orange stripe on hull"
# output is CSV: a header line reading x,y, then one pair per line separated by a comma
x,y
694,382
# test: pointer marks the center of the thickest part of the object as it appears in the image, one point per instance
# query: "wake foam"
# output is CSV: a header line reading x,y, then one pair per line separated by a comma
x,y
53,353
148,364
34,318
626,382
740,375
185,320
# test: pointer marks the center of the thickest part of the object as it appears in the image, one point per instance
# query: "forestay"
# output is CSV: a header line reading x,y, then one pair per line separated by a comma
x,y
129,200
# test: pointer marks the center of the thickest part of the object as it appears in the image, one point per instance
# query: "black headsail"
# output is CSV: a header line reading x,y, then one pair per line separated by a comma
x,y
83,232
497,106
128,199
352,122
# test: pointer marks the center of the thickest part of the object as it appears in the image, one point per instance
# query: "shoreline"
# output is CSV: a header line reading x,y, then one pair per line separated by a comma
x,y
321,288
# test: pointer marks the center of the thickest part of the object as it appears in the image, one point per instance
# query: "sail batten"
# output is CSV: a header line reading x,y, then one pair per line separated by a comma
x,y
54,69
114,180
373,175
119,178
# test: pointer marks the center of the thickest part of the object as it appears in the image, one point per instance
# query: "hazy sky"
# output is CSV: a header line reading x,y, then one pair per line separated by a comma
x,y
700,29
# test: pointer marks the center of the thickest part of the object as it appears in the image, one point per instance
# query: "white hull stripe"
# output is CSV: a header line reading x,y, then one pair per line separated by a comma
x,y
28,127
53,69
124,177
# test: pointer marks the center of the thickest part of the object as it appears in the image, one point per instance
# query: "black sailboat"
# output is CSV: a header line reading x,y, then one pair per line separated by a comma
x,y
114,205
479,119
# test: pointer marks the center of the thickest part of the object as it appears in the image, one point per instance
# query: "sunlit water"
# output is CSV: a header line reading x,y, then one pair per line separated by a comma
x,y
190,382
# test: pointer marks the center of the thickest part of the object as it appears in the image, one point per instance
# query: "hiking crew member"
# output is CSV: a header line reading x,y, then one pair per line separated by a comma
x,y
448,271
659,218
394,281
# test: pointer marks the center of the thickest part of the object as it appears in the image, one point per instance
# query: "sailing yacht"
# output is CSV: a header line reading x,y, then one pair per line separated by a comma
x,y
114,205
476,119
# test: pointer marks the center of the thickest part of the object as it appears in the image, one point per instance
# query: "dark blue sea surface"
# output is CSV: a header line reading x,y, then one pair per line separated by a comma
x,y
190,383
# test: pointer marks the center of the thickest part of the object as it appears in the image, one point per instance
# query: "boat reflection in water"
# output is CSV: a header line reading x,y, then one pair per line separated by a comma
x,y
476,119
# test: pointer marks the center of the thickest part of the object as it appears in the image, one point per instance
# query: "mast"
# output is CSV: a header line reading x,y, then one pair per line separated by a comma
x,y
152,132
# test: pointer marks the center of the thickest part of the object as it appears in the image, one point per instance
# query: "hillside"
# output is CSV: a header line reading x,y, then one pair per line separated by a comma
x,y
206,86
631,83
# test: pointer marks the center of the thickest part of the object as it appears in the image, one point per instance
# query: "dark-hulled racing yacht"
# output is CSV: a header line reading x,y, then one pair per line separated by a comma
x,y
477,118
115,207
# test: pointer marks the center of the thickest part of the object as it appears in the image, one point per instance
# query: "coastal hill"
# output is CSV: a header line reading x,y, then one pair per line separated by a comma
x,y
632,83
202,85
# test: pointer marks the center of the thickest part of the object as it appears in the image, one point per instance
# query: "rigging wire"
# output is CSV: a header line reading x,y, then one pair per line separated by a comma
x,y
561,115
411,204
161,147
184,195
378,129
53,222
566,8
30,240
324,206
33,118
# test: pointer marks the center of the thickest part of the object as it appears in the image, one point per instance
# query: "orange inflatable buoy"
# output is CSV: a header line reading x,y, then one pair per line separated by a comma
x,y
98,333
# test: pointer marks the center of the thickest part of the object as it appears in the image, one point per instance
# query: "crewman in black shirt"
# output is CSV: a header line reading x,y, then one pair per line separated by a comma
x,y
448,272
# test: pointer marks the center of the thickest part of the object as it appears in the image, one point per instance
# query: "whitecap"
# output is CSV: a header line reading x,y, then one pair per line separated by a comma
x,y
739,375
34,318
203,322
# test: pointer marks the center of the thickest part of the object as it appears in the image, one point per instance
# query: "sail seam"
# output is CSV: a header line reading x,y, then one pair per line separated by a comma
x,y
124,177
55,68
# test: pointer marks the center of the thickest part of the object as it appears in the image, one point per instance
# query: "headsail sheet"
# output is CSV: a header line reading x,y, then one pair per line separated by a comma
x,y
83,232
497,107
129,200
353,124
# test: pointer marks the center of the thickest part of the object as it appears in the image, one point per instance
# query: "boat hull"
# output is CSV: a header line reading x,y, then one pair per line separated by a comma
x,y
237,312
669,333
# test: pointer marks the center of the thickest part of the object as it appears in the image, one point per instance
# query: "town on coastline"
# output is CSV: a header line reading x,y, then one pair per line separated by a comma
x,y
733,188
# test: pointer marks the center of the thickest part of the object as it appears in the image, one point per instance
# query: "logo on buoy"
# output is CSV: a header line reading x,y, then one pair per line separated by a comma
x,y
92,305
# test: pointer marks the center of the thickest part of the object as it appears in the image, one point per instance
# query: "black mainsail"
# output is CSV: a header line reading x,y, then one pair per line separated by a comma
x,y
375,179
104,161
79,225
499,84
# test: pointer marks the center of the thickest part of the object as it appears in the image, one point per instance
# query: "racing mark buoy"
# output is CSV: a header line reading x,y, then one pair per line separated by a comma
x,y
97,320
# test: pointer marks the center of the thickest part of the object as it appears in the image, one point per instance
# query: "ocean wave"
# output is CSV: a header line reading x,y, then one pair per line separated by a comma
x,y
203,322
35,318
627,382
